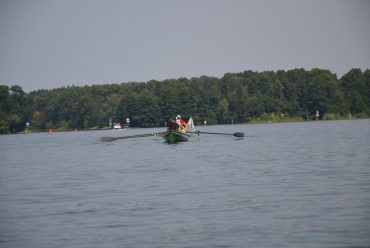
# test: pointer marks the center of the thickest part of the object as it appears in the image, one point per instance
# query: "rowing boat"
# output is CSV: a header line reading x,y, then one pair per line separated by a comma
x,y
173,136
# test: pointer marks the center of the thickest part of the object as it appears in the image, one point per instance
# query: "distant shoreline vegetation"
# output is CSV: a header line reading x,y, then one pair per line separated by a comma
x,y
245,97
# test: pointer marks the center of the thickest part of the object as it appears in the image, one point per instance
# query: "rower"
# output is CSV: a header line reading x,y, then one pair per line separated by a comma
x,y
182,124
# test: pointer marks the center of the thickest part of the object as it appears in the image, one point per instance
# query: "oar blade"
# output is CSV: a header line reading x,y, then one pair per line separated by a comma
x,y
107,139
238,134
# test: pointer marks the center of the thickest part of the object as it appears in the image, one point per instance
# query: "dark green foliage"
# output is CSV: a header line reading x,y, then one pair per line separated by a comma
x,y
234,98
14,109
355,87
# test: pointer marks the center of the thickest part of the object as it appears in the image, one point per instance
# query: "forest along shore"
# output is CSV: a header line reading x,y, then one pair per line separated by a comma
x,y
245,97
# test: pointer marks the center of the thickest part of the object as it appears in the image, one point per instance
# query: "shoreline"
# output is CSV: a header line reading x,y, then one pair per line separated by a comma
x,y
252,122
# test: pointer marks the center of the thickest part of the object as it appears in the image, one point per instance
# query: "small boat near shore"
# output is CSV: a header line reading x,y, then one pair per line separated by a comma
x,y
117,126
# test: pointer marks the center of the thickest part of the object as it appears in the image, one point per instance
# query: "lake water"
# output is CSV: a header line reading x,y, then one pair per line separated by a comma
x,y
284,185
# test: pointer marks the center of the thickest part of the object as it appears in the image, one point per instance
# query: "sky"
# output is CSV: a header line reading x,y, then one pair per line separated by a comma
x,y
46,44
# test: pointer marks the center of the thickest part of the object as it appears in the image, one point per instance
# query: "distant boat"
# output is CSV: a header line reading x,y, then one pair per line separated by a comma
x,y
117,126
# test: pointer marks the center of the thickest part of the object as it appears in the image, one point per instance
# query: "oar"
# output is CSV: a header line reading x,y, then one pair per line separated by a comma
x,y
237,134
110,139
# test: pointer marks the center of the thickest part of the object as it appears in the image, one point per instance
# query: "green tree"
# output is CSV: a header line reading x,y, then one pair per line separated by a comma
x,y
5,104
353,85
323,94
36,121
15,123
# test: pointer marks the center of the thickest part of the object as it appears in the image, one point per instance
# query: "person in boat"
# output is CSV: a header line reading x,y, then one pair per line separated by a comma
x,y
182,124
173,124
177,124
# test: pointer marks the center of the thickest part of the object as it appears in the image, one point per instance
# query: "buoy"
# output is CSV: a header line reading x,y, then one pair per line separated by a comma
x,y
50,131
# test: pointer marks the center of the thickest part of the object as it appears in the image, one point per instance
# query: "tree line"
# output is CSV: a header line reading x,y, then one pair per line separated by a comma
x,y
234,98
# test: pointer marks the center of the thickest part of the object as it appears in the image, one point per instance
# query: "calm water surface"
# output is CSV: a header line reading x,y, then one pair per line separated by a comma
x,y
283,185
